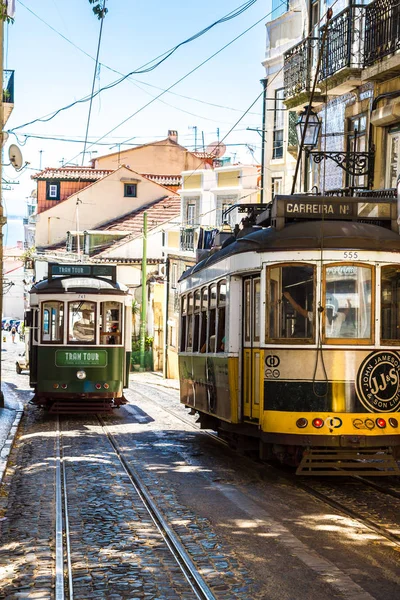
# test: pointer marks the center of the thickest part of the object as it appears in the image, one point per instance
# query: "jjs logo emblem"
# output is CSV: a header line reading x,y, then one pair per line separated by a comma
x,y
378,382
272,361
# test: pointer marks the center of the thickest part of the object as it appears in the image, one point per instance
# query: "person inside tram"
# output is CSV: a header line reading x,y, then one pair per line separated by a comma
x,y
334,318
83,330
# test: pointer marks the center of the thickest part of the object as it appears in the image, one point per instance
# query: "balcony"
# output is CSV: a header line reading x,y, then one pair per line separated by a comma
x,y
382,32
186,242
8,94
298,69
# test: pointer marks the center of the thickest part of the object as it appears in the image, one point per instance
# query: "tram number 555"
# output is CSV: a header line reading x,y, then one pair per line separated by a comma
x,y
349,255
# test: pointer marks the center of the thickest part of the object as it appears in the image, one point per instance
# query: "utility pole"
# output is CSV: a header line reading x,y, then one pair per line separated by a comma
x,y
264,83
143,312
78,240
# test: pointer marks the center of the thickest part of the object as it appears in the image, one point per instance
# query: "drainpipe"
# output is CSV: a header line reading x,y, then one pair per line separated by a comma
x,y
264,82
165,361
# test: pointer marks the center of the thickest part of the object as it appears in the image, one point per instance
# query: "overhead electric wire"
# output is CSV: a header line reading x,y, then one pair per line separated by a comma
x,y
94,78
147,67
179,81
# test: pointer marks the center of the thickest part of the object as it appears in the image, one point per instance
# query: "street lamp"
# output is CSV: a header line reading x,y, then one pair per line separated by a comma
x,y
308,127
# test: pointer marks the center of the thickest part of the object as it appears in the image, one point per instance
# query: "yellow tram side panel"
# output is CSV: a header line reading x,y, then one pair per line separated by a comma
x,y
335,424
209,383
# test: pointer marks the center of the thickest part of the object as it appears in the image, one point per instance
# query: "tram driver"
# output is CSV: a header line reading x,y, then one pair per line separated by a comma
x,y
83,330
334,318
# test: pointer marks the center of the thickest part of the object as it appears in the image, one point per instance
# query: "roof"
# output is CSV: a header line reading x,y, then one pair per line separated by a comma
x,y
158,212
307,235
72,173
165,180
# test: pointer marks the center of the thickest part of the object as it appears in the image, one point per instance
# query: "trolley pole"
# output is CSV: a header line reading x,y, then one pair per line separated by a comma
x,y
143,312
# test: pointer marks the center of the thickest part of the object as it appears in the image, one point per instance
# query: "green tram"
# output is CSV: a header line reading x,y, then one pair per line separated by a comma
x,y
290,335
80,321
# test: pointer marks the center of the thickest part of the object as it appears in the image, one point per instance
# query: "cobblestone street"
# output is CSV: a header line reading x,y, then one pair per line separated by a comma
x,y
247,536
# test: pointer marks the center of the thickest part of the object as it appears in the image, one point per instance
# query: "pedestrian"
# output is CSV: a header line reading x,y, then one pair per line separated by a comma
x,y
13,332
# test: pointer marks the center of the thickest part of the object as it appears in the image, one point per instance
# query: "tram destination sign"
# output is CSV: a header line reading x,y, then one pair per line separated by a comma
x,y
81,358
318,209
77,270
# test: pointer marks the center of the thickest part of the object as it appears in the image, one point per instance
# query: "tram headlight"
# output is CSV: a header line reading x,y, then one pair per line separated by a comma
x,y
393,422
318,423
381,423
81,374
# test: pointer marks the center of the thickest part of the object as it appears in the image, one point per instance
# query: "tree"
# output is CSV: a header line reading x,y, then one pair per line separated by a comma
x,y
99,8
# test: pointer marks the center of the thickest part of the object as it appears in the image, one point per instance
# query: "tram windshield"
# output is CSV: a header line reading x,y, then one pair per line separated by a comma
x,y
390,304
348,301
52,321
291,302
81,322
110,323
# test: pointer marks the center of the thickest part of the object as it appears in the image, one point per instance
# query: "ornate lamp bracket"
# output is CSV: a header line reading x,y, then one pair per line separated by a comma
x,y
354,163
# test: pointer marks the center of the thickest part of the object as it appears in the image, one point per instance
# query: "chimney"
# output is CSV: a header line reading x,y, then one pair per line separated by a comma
x,y
173,135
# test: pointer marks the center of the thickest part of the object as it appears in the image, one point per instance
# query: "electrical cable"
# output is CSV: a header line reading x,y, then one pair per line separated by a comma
x,y
146,68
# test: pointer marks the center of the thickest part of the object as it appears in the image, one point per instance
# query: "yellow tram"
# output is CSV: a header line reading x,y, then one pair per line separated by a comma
x,y
290,335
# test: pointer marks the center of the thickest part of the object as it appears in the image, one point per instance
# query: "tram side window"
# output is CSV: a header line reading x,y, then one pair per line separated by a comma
x,y
348,302
110,323
290,301
81,322
189,344
212,319
196,327
390,304
52,321
183,324
221,317
203,320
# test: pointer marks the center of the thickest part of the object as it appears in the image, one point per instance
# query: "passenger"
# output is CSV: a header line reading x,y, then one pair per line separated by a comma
x,y
83,330
13,332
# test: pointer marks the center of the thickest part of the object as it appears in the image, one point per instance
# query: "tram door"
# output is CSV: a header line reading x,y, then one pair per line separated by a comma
x,y
252,354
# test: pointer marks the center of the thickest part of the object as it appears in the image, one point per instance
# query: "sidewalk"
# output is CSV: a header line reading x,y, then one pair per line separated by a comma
x,y
12,412
154,378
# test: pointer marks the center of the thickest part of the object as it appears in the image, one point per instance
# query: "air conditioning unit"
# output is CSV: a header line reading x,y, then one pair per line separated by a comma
x,y
162,270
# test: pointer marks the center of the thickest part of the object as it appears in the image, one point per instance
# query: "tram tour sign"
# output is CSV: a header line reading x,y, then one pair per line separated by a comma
x,y
81,358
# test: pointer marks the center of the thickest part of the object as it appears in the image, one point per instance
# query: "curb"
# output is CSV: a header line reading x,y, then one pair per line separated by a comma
x,y
6,450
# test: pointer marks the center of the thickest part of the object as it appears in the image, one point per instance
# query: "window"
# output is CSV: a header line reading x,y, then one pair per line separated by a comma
x,y
110,323
191,213
212,318
290,302
81,322
390,305
393,155
174,275
189,344
348,302
183,323
52,322
357,143
130,190
196,327
52,190
279,8
203,320
277,150
221,346
276,186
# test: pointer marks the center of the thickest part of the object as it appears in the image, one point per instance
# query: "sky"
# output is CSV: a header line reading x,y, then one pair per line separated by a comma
x,y
51,72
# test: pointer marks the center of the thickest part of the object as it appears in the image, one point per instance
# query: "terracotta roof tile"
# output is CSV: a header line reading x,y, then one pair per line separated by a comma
x,y
72,173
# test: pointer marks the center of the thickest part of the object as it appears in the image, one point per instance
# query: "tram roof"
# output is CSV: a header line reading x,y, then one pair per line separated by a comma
x,y
306,235
87,285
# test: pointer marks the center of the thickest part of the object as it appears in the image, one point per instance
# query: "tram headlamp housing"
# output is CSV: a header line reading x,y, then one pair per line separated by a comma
x,y
393,422
81,374
381,423
301,423
318,423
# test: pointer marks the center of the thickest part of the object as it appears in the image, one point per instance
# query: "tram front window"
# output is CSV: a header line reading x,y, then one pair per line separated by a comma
x,y
348,302
52,321
291,302
81,323
390,304
110,323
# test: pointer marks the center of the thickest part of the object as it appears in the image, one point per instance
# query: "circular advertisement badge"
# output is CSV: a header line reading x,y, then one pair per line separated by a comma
x,y
378,382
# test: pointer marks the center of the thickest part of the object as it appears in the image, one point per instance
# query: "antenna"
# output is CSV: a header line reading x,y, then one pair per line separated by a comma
x,y
15,156
216,149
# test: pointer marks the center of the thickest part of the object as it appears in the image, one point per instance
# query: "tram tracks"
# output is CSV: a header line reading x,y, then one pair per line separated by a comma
x,y
64,580
348,497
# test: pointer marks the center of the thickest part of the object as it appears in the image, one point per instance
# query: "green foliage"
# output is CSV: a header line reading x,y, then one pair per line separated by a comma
x,y
99,9
148,344
3,13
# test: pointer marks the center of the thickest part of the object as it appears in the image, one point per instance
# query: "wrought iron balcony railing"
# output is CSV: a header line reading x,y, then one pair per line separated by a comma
x,y
382,30
344,42
187,239
299,64
8,86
